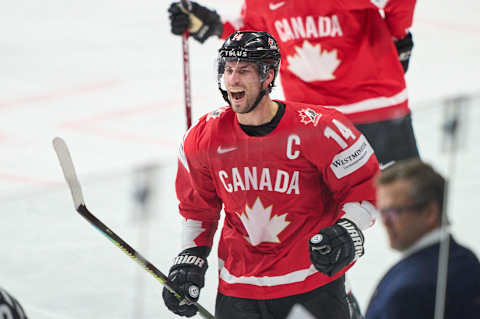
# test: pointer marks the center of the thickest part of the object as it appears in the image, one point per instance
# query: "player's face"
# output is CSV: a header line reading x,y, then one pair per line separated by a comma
x,y
404,222
242,83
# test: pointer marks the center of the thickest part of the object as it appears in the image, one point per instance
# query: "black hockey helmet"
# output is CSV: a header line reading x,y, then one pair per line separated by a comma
x,y
250,46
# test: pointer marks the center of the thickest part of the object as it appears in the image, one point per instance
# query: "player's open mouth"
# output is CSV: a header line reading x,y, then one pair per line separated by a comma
x,y
237,95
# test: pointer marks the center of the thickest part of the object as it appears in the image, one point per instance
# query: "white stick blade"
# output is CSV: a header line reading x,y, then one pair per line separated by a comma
x,y
68,169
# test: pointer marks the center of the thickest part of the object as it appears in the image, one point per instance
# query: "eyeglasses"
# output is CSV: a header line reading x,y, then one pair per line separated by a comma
x,y
396,211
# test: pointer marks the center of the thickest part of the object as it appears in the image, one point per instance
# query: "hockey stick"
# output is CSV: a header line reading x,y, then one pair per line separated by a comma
x,y
454,121
186,70
68,169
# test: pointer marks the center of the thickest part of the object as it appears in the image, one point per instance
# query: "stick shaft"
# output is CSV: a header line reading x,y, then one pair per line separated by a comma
x,y
186,72
136,256
65,159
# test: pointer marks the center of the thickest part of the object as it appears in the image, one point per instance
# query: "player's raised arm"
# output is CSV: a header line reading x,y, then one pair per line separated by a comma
x,y
200,21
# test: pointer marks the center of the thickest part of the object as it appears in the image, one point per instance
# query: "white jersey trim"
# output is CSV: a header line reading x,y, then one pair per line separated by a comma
x,y
362,214
266,281
190,230
183,158
373,103
380,3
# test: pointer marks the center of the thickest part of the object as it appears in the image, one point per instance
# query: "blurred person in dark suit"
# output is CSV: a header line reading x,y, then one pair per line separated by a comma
x,y
410,198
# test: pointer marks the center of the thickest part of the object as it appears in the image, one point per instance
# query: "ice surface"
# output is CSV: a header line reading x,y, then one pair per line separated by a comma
x,y
107,77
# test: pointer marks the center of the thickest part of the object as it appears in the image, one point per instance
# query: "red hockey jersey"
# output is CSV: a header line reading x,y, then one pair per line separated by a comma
x,y
277,191
337,53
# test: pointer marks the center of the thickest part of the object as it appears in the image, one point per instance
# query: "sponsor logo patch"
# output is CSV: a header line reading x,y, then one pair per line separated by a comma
x,y
352,158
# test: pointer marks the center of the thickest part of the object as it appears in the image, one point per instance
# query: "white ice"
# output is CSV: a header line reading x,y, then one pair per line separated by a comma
x,y
107,77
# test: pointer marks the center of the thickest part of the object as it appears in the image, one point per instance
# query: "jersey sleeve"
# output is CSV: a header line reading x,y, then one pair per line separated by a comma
x,y
198,201
399,16
347,164
250,19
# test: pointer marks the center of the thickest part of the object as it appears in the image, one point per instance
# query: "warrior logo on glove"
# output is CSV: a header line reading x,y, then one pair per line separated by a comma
x,y
188,276
336,246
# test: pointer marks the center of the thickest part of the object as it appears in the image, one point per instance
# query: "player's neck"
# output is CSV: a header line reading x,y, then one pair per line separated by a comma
x,y
263,113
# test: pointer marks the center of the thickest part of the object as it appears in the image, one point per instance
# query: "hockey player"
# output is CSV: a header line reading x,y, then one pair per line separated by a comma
x,y
296,184
10,308
340,54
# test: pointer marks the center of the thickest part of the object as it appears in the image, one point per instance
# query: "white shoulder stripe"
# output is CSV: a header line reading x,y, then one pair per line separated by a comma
x,y
181,151
183,158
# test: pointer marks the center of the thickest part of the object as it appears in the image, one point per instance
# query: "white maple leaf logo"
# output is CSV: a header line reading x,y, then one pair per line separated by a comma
x,y
260,225
310,63
309,116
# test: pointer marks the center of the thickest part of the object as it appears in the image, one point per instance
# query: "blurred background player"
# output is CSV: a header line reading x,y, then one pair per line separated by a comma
x,y
349,54
296,185
410,197
10,308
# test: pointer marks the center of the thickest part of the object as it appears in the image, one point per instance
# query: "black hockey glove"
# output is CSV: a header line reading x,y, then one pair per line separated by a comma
x,y
336,246
188,276
201,22
404,49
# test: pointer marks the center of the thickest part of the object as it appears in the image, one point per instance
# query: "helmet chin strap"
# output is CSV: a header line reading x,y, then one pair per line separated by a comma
x,y
259,98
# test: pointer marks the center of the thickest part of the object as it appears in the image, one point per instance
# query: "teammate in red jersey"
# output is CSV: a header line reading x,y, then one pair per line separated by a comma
x,y
341,54
296,184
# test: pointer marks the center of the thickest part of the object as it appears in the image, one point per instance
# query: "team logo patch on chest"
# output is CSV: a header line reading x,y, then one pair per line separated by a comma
x,y
216,113
308,116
